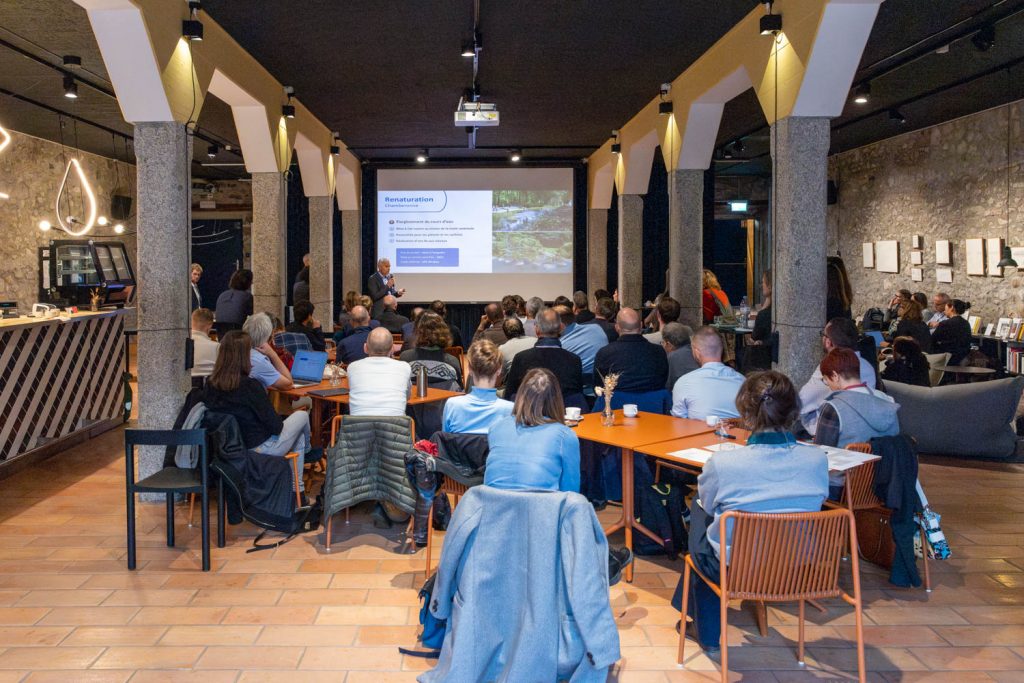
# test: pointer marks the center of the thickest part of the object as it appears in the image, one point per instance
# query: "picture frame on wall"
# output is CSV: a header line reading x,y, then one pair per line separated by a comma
x,y
916,274
915,242
989,329
942,252
887,256
1003,327
868,251
975,256
916,258
994,253
944,275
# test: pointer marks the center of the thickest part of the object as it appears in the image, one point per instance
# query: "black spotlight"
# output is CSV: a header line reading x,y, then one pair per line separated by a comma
x,y
468,50
985,38
665,107
616,148
738,146
862,93
1007,261
896,116
212,150
288,111
727,152
192,28
335,149
770,23
70,87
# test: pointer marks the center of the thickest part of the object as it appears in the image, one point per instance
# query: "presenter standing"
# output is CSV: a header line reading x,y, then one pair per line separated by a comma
x,y
380,285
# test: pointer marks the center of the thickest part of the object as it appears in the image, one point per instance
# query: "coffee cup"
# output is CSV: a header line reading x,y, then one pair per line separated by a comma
x,y
712,420
630,410
572,413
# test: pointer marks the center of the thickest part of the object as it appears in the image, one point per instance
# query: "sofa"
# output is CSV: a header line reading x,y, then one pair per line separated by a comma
x,y
969,420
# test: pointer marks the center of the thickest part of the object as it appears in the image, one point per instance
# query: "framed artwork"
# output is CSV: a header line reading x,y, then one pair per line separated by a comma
x,y
944,275
942,252
869,254
916,274
1018,254
916,258
1003,327
975,256
915,242
989,329
887,256
994,249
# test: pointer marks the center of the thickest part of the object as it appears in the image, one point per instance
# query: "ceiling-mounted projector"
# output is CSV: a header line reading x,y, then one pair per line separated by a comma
x,y
476,114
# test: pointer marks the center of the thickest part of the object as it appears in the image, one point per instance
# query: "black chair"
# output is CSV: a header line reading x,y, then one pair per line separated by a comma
x,y
170,480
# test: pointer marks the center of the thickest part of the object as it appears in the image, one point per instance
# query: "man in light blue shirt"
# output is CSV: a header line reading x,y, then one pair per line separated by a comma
x,y
267,367
583,340
710,389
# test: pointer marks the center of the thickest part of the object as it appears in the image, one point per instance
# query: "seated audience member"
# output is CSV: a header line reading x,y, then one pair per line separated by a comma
x,y
772,473
938,309
352,347
284,342
204,349
378,384
908,364
892,312
475,412
759,352
437,306
562,301
838,333
642,366
953,335
710,389
234,305
510,306
547,353
675,339
853,412
605,317
922,300
667,311
714,300
300,290
231,389
583,340
581,308
532,449
520,308
490,325
267,367
350,301
444,371
409,329
911,325
517,341
390,319
306,324
533,307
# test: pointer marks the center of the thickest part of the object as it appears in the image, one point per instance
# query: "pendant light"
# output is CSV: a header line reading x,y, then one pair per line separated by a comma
x,y
1007,260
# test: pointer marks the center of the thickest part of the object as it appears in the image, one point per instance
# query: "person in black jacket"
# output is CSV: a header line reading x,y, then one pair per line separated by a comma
x,y
911,325
953,335
908,364
642,366
231,391
548,353
306,324
381,284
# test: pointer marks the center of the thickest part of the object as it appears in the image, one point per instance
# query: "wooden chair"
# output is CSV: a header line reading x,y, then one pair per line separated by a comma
x,y
783,557
859,494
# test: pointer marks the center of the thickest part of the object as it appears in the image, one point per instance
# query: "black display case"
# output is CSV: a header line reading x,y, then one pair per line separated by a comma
x,y
70,269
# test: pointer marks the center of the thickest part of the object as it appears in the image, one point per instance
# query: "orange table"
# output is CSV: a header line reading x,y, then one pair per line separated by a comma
x,y
333,403
629,434
663,449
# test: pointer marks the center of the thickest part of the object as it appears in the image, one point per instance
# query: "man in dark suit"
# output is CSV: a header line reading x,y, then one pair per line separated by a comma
x,y
389,317
642,366
381,284
351,347
547,353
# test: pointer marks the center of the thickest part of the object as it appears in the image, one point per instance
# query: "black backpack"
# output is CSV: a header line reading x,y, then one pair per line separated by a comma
x,y
661,509
873,319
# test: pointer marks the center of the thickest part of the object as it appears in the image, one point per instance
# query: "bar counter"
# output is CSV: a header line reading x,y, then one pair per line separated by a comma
x,y
60,382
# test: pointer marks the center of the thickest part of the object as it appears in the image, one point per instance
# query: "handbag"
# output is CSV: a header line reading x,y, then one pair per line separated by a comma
x,y
938,547
874,536
432,636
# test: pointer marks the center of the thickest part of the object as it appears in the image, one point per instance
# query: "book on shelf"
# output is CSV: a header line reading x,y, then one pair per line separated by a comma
x,y
975,322
1015,360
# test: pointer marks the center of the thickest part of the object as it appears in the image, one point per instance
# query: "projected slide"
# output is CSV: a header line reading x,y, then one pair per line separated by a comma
x,y
476,231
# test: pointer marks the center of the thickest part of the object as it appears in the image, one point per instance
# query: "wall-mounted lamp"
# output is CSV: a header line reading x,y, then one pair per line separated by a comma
x,y
896,116
70,87
192,28
770,23
616,145
422,157
665,106
212,150
862,93
288,110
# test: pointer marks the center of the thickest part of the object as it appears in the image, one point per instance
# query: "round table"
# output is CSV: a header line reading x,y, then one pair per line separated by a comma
x,y
965,370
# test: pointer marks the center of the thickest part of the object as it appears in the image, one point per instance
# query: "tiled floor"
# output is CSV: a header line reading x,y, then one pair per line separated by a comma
x,y
70,610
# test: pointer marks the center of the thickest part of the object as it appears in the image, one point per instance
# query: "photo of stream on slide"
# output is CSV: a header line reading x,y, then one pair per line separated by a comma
x,y
532,231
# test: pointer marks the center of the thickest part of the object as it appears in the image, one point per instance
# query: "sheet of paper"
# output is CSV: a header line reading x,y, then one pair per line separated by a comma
x,y
725,446
840,460
693,455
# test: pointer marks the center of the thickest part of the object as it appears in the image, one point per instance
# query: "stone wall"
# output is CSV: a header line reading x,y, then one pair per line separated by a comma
x,y
31,170
944,182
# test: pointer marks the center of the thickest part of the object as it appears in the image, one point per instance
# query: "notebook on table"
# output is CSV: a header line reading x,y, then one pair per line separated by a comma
x,y
308,367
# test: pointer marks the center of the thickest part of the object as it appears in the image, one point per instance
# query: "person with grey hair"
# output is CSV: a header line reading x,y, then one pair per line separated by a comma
x,y
675,339
533,306
267,367
378,384
517,341
939,302
381,284
389,318
548,353
711,389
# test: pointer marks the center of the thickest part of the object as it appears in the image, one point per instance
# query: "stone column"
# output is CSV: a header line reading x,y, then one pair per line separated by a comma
x,y
321,255
597,250
269,242
800,149
352,252
686,242
162,151
631,238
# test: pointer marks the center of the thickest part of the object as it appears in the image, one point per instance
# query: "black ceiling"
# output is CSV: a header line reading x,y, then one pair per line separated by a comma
x,y
387,74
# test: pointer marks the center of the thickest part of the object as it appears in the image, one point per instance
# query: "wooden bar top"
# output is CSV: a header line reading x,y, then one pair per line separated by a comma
x,y
25,321
632,432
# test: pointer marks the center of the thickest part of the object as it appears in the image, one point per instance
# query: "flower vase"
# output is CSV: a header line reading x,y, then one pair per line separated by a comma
x,y
94,306
608,417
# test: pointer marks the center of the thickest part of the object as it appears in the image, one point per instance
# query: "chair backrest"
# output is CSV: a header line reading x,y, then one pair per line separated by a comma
x,y
786,556
936,360
166,438
859,490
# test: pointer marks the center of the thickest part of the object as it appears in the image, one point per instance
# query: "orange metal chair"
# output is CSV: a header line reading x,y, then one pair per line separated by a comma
x,y
859,494
448,488
784,557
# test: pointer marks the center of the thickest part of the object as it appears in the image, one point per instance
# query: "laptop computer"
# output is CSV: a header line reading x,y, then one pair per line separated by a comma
x,y
308,368
877,336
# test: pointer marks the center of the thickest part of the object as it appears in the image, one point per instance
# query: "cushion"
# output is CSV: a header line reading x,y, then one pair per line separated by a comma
x,y
972,420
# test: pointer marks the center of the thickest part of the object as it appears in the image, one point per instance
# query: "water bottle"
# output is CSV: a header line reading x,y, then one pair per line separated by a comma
x,y
744,312
421,381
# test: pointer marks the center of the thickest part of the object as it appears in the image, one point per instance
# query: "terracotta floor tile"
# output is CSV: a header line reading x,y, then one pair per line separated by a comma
x,y
992,614
323,635
115,635
127,581
363,615
11,636
257,657
49,657
271,615
210,635
88,616
22,615
230,597
973,636
148,658
339,566
907,635
43,581
184,677
401,597
878,659
940,677
249,566
64,598
90,676
290,677
404,636
290,581
971,658
324,596
379,677
155,596
357,580
206,580
917,614
180,615
355,658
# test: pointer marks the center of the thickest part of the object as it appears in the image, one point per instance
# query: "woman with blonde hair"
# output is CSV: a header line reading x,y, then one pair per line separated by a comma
x,y
475,412
714,301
